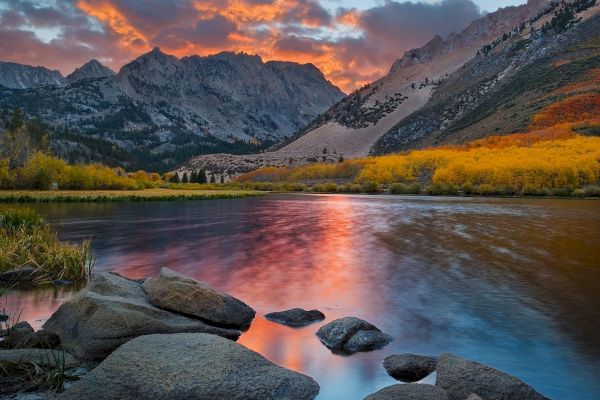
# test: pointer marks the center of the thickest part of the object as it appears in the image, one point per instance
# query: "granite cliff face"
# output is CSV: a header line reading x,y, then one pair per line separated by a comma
x,y
159,110
19,76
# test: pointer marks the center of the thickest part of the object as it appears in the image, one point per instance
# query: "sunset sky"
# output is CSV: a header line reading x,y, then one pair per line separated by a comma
x,y
353,42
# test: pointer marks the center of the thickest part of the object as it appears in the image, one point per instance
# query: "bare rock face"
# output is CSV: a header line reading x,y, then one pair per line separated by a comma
x,y
190,366
351,335
409,367
413,391
174,292
296,317
91,70
20,76
112,310
461,378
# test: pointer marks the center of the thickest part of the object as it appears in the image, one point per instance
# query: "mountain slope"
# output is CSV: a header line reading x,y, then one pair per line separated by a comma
x,y
502,91
352,126
159,110
91,69
20,76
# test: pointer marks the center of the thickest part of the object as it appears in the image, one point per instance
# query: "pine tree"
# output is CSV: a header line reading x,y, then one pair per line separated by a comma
x,y
194,177
184,178
202,176
213,178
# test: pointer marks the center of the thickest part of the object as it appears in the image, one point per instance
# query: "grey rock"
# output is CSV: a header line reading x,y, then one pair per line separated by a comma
x,y
21,76
39,340
174,292
367,341
190,366
16,334
336,334
409,367
296,317
409,391
112,310
40,357
91,70
460,378
473,396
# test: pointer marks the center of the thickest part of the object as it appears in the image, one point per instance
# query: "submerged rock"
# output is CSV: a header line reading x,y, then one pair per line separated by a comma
x,y
296,317
339,335
112,310
409,367
409,391
15,334
190,366
174,292
461,378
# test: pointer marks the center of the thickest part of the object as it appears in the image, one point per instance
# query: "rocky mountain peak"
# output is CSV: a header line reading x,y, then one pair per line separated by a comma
x,y
91,69
21,76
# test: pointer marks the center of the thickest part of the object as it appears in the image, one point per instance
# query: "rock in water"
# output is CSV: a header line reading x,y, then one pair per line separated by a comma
x,y
296,317
409,367
461,378
338,335
20,275
367,341
190,366
32,340
410,391
174,292
112,310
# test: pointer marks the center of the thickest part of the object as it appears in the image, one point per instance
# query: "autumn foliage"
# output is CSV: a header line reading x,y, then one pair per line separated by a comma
x,y
546,159
576,108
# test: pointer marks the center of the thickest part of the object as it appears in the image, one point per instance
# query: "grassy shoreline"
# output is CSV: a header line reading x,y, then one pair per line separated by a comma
x,y
44,196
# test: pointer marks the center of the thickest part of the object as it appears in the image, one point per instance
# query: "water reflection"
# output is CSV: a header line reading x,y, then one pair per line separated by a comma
x,y
512,283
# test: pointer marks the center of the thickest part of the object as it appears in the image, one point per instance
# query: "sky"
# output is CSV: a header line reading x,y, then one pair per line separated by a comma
x,y
352,41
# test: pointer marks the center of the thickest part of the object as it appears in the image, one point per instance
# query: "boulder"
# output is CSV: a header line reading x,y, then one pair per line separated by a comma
x,y
16,334
19,275
473,396
367,341
189,366
32,340
112,310
39,357
409,391
461,378
296,317
174,292
409,367
336,334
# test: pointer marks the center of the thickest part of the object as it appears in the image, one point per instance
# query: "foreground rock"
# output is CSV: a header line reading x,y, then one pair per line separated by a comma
x,y
411,391
462,378
351,334
190,366
175,292
409,367
112,310
33,340
39,357
296,317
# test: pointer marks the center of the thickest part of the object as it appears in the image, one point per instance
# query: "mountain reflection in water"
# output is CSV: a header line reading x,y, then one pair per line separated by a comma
x,y
513,283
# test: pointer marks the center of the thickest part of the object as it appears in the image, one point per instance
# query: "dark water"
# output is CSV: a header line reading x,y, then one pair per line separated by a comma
x,y
511,283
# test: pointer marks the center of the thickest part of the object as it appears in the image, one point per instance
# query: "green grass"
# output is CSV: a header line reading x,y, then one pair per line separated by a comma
x,y
66,196
27,240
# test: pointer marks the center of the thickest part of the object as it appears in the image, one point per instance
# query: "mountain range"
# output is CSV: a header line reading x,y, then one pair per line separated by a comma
x,y
231,113
489,79
159,110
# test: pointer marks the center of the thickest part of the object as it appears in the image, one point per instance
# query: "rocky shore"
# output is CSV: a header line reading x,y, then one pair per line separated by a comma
x,y
171,337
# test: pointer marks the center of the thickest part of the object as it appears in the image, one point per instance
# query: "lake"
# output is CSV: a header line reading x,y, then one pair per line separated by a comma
x,y
512,283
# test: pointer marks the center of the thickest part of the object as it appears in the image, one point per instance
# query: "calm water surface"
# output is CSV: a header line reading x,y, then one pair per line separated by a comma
x,y
511,283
